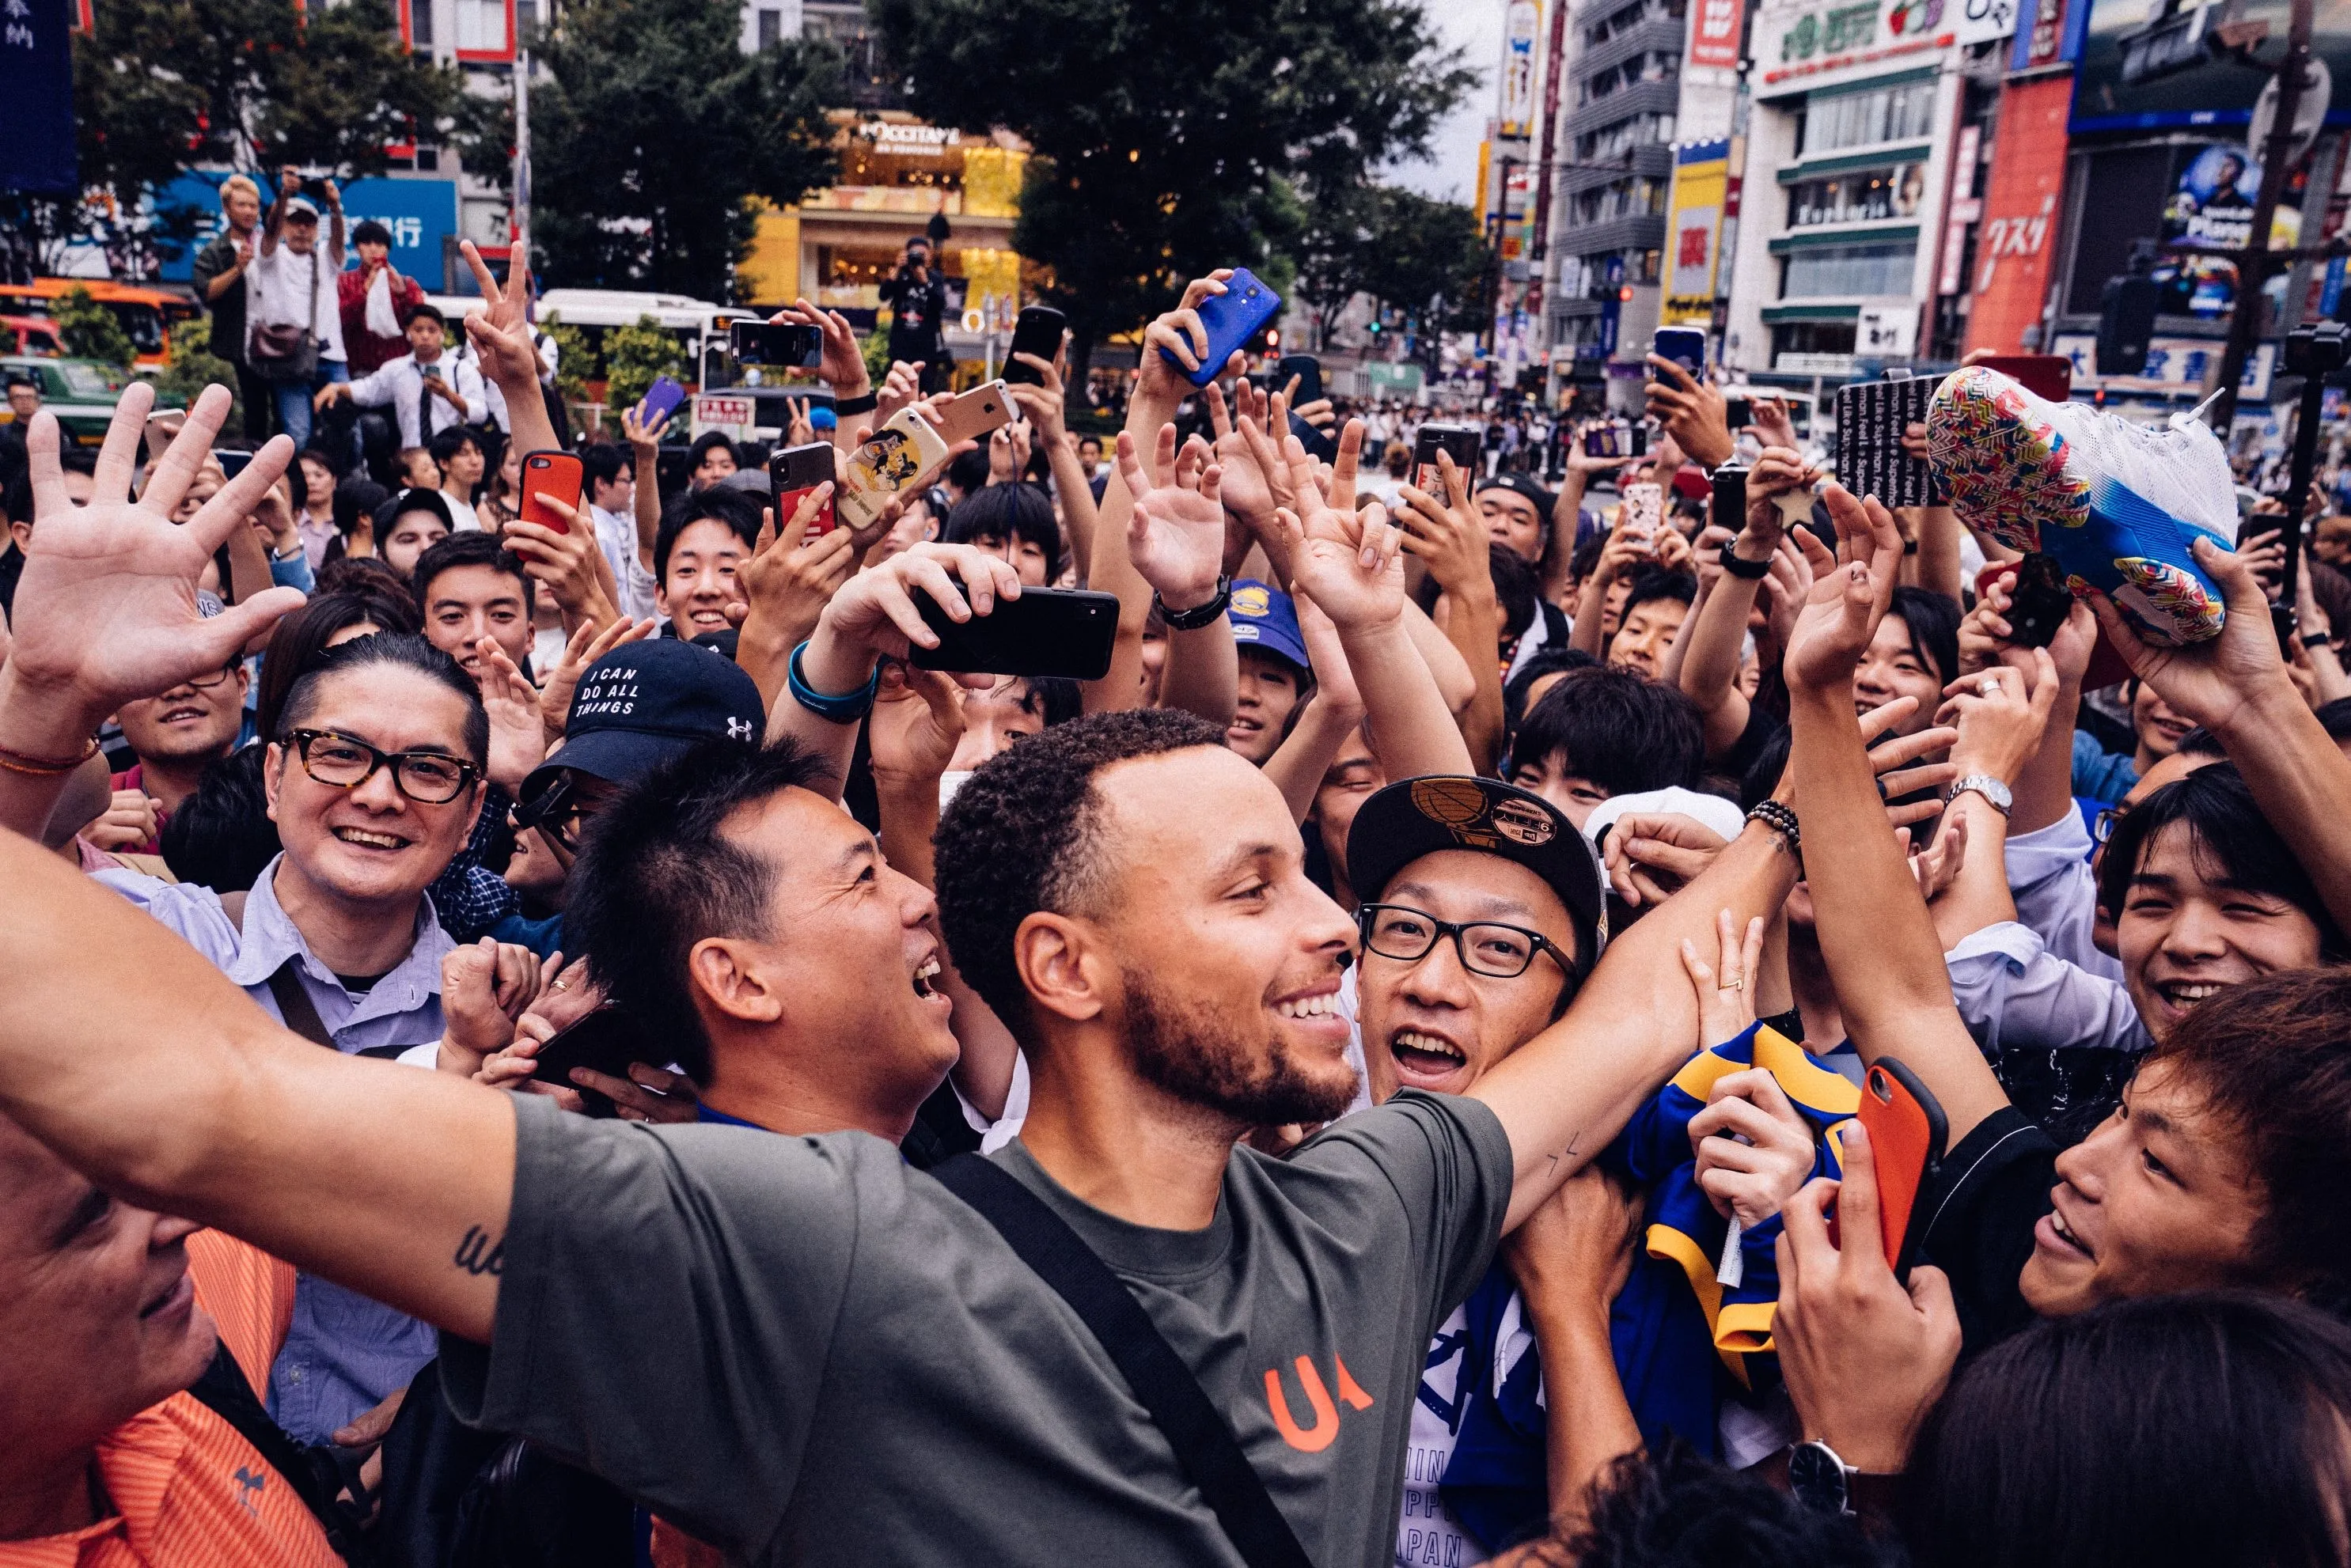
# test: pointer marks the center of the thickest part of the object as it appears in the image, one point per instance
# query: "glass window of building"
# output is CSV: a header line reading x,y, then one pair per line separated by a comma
x,y
1846,271
1901,112
1865,195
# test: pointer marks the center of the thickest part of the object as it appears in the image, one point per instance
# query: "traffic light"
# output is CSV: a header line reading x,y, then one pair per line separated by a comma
x,y
2125,322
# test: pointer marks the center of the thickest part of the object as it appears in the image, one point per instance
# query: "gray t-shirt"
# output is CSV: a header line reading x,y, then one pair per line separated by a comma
x,y
804,1351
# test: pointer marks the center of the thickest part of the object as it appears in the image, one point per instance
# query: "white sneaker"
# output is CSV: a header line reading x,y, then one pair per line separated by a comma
x,y
2116,503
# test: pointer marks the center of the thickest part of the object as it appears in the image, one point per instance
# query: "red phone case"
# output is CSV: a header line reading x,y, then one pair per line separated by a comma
x,y
2042,375
787,500
1906,1130
550,473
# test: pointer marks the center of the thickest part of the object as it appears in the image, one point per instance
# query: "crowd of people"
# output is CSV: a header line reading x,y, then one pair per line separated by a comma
x,y
1378,1075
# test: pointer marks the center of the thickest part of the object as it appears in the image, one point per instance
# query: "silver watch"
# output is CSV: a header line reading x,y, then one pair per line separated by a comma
x,y
1985,785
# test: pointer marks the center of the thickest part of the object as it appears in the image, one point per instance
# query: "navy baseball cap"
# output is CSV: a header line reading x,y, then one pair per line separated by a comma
x,y
1421,816
1266,617
1542,500
644,703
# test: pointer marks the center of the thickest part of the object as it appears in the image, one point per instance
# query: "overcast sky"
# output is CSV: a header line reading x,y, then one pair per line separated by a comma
x,y
1476,27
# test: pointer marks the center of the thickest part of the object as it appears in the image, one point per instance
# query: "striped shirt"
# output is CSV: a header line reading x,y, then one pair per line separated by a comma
x,y
188,1492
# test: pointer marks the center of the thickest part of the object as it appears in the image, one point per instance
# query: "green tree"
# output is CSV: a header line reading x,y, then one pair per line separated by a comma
x,y
89,331
634,356
164,86
189,366
575,358
1172,136
655,131
1429,259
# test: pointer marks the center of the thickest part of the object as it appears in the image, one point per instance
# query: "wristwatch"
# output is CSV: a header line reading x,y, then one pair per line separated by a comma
x,y
1737,565
1993,791
1820,1479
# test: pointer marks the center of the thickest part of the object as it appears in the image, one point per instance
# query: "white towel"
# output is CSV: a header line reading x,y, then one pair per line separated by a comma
x,y
382,318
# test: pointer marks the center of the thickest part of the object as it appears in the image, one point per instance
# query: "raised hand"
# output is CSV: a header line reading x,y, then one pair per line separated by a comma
x,y
1692,412
1898,766
2209,681
788,578
1041,401
1847,600
566,564
1182,334
875,615
1175,536
842,362
517,732
1352,563
1651,855
1725,1002
1999,714
643,434
901,386
916,722
477,984
1450,537
107,610
501,333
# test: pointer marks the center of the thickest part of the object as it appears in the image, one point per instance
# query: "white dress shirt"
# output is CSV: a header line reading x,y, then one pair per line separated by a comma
x,y
400,385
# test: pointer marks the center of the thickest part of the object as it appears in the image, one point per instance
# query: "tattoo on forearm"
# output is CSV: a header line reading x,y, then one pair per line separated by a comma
x,y
479,1253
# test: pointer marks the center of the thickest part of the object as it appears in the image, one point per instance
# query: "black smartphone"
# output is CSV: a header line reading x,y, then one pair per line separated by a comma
x,y
796,470
1739,413
793,344
1036,331
1686,346
1640,439
231,460
605,1041
2038,607
1045,632
1308,372
1600,440
1463,442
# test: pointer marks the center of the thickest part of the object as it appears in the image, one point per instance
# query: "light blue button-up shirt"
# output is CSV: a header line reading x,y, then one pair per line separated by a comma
x,y
344,1353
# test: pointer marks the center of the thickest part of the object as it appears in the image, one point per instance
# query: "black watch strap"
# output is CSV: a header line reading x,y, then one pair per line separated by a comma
x,y
1737,565
1192,620
866,403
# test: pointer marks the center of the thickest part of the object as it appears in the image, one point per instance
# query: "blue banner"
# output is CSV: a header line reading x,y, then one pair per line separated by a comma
x,y
37,120
420,213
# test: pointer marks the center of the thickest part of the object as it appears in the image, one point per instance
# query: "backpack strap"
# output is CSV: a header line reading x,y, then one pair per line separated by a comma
x,y
1204,1443
312,1471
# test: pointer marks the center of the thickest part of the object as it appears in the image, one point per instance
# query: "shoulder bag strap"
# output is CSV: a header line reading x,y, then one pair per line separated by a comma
x,y
294,1005
1205,1446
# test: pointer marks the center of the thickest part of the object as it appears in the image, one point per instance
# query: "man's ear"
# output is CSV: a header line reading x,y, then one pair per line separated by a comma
x,y
1065,971
727,975
273,771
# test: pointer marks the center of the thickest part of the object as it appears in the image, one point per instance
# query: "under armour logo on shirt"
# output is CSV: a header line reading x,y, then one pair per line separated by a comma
x,y
249,1483
738,729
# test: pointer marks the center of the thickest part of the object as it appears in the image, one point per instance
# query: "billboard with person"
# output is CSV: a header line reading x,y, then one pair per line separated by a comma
x,y
2145,64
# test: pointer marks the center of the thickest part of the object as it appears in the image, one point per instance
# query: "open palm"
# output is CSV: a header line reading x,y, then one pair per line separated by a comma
x,y
1349,562
1849,593
107,608
1177,534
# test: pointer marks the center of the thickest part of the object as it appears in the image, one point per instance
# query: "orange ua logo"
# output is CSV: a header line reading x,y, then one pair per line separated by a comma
x,y
1315,1438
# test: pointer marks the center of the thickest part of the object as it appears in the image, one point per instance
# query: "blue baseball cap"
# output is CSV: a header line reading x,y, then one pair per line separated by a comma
x,y
1264,616
823,418
644,703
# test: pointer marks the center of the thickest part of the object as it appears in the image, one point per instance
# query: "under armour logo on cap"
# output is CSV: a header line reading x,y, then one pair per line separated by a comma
x,y
738,729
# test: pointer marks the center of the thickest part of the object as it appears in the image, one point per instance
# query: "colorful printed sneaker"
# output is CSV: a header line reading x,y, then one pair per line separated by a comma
x,y
2116,503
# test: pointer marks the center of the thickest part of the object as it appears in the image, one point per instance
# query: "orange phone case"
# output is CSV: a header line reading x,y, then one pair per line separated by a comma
x,y
550,473
1906,1130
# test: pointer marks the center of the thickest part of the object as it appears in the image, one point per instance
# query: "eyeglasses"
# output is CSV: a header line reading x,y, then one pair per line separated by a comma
x,y
427,777
554,812
2101,827
1485,947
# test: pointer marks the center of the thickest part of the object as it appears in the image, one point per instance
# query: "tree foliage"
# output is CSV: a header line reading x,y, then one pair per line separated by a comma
x,y
89,331
1423,259
1173,136
191,366
655,131
164,86
635,355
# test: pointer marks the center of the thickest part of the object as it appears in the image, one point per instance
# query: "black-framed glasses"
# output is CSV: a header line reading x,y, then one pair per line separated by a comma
x,y
1484,947
557,812
2101,827
217,678
345,762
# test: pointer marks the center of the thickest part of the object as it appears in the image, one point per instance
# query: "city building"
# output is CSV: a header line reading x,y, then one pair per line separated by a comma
x,y
1866,123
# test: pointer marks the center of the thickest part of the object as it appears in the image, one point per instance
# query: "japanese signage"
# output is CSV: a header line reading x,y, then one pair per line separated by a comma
x,y
2015,244
1693,233
2144,63
1522,23
1803,45
419,212
1714,32
37,120
2175,366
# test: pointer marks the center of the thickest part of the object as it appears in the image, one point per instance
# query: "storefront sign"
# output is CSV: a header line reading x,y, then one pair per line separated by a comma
x,y
1522,25
1803,45
909,140
1714,33
2016,241
2175,366
1701,172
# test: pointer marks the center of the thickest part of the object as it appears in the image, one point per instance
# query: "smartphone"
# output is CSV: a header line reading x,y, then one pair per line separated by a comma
x,y
1037,330
2040,602
1729,498
231,460
1045,632
1465,442
795,471
1906,1130
605,1041
1230,319
1739,413
661,400
1686,346
2042,375
1600,440
1308,372
545,475
909,445
794,344
1643,511
1638,439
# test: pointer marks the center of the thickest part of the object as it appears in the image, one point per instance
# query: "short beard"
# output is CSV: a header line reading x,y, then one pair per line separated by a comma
x,y
1183,1052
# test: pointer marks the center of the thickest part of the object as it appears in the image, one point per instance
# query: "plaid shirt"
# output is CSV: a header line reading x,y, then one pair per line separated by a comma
x,y
469,896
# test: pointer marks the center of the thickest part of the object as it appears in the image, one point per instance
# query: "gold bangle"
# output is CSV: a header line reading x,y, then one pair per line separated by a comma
x,y
43,767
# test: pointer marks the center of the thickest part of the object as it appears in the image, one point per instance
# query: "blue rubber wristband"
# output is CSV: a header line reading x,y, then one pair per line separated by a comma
x,y
845,710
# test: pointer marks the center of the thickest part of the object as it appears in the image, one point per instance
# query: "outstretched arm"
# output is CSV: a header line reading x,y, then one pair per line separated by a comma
x,y
147,1071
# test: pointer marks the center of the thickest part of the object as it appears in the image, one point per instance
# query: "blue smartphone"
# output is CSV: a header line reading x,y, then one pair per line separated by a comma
x,y
661,400
1686,346
1230,319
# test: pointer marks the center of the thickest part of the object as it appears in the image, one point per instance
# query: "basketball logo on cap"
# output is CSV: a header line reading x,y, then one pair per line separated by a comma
x,y
1252,600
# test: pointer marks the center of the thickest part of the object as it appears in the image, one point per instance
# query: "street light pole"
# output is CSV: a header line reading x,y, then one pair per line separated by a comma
x,y
2253,262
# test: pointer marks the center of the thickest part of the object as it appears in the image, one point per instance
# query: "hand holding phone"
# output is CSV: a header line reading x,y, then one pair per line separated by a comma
x,y
1046,632
793,473
1906,1131
551,475
661,401
1230,319
1037,330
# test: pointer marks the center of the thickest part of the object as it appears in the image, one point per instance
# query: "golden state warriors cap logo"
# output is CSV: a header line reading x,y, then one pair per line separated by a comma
x,y
1252,600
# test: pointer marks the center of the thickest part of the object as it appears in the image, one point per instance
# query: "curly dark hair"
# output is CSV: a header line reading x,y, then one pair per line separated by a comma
x,y
1022,835
1676,1510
